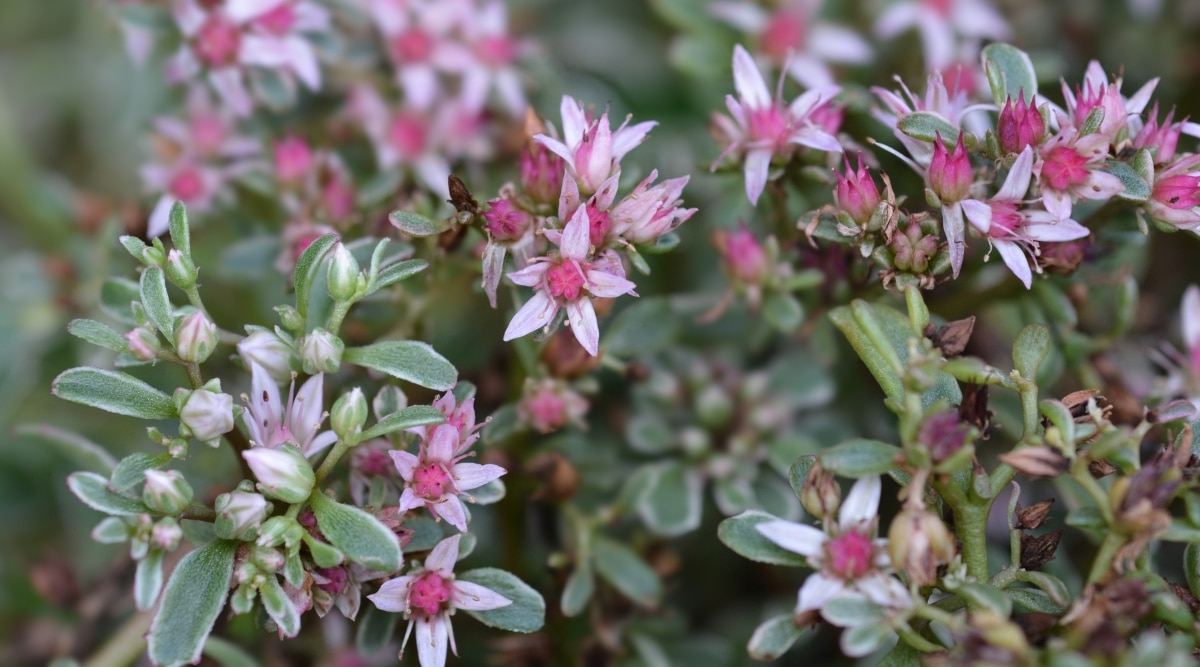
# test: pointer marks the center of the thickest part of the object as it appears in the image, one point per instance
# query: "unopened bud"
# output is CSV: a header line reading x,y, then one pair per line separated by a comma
x,y
195,337
1020,125
950,174
143,343
348,416
280,531
743,256
820,494
283,473
943,434
321,352
268,351
166,534
239,514
167,492
343,274
289,317
505,221
918,542
856,192
549,405
206,414
714,406
913,249
180,270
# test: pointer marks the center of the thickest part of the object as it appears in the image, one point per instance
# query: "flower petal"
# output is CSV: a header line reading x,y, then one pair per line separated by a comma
x,y
576,235
444,556
537,312
442,443
1015,259
795,537
583,324
861,504
952,225
469,476
978,214
406,463
451,509
884,590
606,285
1017,181
816,591
392,595
748,81
432,640
1189,313
305,415
473,597
758,162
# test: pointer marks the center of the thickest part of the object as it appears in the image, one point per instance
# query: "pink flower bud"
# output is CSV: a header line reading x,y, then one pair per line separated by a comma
x,y
856,193
208,415
239,514
143,343
166,492
195,337
1180,192
265,348
166,534
321,352
293,159
541,173
180,269
549,405
283,474
950,173
505,221
1020,126
743,256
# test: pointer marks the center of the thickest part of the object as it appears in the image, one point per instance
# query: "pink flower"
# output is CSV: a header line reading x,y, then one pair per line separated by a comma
x,y
762,127
1014,232
856,192
941,24
436,477
1162,139
1097,92
417,36
1020,125
541,173
293,160
591,150
795,38
194,183
223,40
951,104
408,136
459,415
569,280
270,422
848,558
548,405
743,256
493,52
429,595
505,221
1070,165
650,210
1175,198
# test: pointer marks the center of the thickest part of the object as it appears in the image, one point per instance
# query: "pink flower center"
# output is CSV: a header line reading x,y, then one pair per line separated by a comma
x,y
1063,167
745,257
505,221
208,133
942,7
218,41
767,125
337,580
278,21
495,50
292,159
429,594
412,46
407,135
601,224
849,555
1006,221
546,410
187,184
431,481
784,33
565,280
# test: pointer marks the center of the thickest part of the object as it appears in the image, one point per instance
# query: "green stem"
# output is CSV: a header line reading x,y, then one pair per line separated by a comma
x,y
1104,558
1005,578
199,513
340,308
193,295
915,640
970,522
125,646
331,460
193,372
1029,408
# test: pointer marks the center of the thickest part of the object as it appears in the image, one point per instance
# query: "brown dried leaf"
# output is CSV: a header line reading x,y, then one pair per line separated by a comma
x,y
1032,517
461,197
951,338
1101,468
1036,551
974,408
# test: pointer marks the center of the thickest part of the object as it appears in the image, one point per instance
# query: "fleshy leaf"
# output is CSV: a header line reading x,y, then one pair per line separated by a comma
x,y
740,533
307,266
1009,72
193,599
1136,187
148,579
409,360
414,415
181,235
415,224
131,471
228,654
78,449
360,536
375,630
579,588
392,274
98,333
157,303
927,126
112,391
773,637
1030,349
92,489
671,504
860,457
527,613
627,572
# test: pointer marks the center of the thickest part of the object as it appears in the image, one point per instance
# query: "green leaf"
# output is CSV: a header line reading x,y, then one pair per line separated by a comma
x,y
181,235
360,536
1086,517
663,244
649,433
394,273
882,360
98,333
982,595
527,613
860,457
902,655
228,654
156,302
783,311
306,270
1032,599
1143,165
379,187
671,504
1091,123
580,586
490,493
426,533
851,610
1136,188
279,607
862,640
1181,531
375,630
644,327
1009,71
114,392
78,449
116,298
926,126
1030,349
92,489
131,471
147,581
111,530
799,472
415,415
1191,567
415,224
740,533
1060,417
773,637
409,360
627,572
194,598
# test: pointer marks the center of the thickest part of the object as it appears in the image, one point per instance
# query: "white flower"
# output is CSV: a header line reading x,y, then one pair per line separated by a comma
x,y
428,596
272,423
849,559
